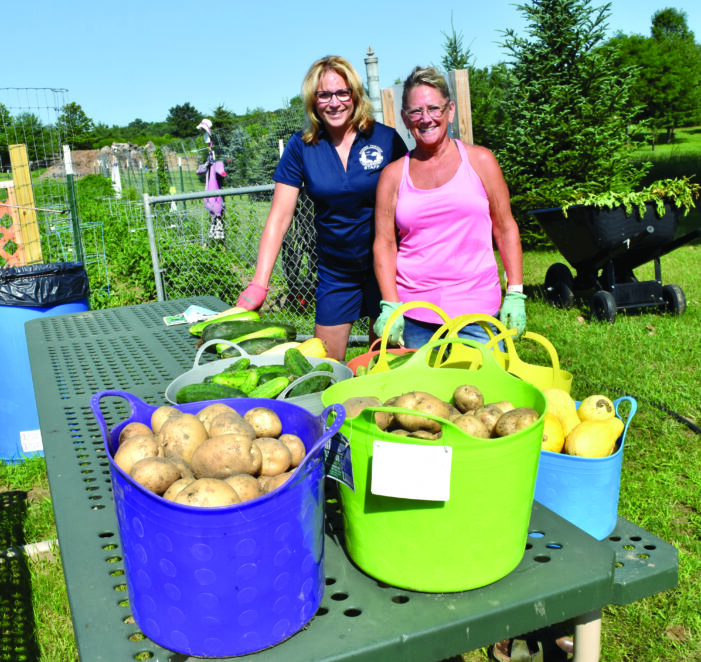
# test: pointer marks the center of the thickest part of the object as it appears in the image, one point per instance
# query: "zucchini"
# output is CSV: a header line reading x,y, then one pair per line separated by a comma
x,y
236,331
198,392
296,362
252,346
197,328
271,389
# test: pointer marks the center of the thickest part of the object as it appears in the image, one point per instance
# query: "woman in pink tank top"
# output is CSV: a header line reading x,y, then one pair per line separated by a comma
x,y
440,210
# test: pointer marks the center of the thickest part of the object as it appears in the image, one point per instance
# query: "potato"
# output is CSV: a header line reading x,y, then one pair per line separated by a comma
x,y
132,429
135,448
226,455
270,483
296,447
176,487
207,493
231,423
156,474
161,415
504,405
208,414
181,435
183,467
472,425
425,434
245,485
426,403
468,397
265,422
489,415
515,420
276,458
354,406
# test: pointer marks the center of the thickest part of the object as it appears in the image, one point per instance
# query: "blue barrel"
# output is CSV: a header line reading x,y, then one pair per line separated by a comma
x,y
26,293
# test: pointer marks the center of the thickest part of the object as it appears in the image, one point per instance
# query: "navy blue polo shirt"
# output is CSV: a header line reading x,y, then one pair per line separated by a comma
x,y
344,200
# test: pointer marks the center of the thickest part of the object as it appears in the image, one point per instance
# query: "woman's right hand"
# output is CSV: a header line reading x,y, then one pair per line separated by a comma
x,y
253,297
395,336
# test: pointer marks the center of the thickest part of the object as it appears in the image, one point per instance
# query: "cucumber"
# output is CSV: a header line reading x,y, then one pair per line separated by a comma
x,y
244,380
311,385
197,328
242,364
296,362
251,346
198,392
270,389
267,376
236,331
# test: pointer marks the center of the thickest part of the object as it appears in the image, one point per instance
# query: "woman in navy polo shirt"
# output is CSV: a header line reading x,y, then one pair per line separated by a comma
x,y
338,157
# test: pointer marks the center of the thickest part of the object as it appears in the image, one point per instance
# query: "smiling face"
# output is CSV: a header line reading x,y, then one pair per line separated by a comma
x,y
428,130
335,114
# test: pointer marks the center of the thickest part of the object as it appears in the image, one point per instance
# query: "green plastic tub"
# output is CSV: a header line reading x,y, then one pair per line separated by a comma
x,y
477,535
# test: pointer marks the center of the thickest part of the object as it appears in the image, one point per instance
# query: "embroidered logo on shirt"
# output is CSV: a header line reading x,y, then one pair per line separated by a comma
x,y
371,157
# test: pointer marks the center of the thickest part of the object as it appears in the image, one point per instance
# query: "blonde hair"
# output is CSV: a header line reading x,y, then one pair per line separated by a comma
x,y
425,76
362,118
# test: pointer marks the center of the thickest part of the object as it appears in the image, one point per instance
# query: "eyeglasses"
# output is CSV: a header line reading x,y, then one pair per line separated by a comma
x,y
343,95
435,112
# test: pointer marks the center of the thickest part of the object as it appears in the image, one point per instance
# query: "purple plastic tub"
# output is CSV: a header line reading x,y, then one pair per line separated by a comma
x,y
219,582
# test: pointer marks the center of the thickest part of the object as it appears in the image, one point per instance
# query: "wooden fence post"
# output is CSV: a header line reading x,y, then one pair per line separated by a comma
x,y
28,231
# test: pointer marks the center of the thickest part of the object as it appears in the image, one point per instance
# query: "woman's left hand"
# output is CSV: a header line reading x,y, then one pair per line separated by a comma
x,y
513,312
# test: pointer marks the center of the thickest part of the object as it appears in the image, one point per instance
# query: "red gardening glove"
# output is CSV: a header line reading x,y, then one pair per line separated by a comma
x,y
252,297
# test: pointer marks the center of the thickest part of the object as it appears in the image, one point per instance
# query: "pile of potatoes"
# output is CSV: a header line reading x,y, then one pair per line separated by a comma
x,y
466,409
216,457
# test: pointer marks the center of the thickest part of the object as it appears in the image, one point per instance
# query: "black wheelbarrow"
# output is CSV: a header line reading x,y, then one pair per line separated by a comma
x,y
604,246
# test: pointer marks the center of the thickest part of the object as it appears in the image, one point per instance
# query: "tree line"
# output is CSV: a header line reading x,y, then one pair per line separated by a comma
x,y
562,112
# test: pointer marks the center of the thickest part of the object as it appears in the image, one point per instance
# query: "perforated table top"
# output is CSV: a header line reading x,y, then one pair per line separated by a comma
x,y
563,573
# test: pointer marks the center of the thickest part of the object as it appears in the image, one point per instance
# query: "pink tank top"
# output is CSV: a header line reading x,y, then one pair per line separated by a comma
x,y
445,253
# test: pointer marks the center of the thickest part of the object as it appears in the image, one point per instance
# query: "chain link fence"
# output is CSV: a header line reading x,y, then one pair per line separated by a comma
x,y
187,260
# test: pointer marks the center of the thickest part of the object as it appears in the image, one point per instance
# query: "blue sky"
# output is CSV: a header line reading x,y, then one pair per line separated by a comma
x,y
127,59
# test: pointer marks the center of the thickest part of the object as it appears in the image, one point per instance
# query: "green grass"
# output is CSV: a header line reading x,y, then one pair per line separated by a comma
x,y
686,140
650,355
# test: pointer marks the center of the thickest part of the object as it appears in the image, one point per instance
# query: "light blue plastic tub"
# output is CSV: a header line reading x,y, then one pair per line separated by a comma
x,y
584,490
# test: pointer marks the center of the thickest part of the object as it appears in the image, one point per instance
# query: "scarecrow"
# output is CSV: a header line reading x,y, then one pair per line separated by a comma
x,y
214,172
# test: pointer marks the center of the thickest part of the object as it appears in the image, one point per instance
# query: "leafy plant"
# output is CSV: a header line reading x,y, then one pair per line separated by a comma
x,y
679,191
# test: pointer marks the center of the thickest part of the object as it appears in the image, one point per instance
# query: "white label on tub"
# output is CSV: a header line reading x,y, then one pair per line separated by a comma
x,y
411,471
31,441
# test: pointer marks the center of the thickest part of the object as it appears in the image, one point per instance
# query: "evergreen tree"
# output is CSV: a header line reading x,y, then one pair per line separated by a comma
x,y
184,120
455,57
566,111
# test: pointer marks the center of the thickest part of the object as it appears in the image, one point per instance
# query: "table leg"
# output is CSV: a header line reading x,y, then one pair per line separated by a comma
x,y
587,637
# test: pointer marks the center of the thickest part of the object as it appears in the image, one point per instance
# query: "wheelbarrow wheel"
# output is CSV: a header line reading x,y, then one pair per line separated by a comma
x,y
603,306
559,286
674,299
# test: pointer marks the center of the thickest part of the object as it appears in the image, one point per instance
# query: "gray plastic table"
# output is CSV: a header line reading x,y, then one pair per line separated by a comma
x,y
564,572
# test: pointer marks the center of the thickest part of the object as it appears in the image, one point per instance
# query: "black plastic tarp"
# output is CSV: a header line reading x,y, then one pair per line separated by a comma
x,y
43,285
